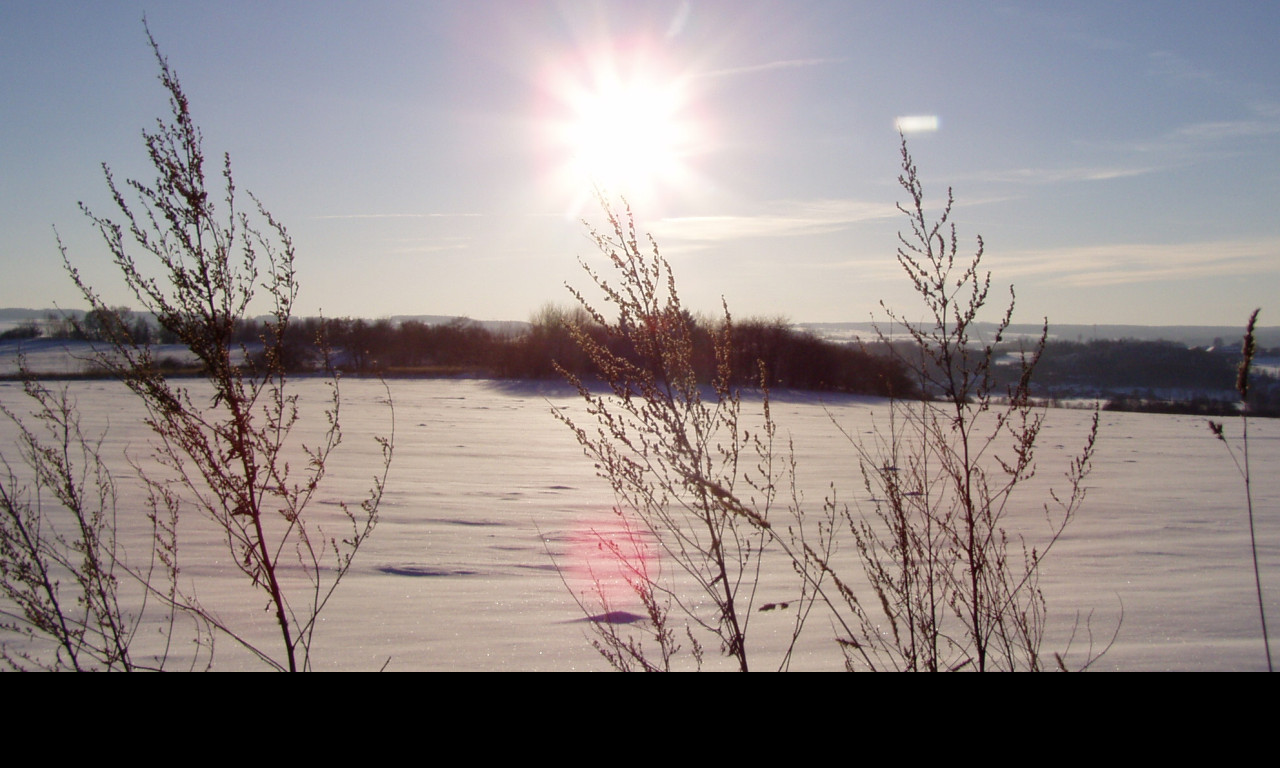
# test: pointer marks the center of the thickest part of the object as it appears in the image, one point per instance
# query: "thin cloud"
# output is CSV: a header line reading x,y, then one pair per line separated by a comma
x,y
797,219
1181,144
1125,263
1064,23
769,66
1173,67
785,219
443,248
1265,109
397,216
1225,129
419,245
1058,175
1261,117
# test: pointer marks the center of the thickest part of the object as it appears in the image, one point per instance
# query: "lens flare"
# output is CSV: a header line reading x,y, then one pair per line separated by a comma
x,y
917,123
607,562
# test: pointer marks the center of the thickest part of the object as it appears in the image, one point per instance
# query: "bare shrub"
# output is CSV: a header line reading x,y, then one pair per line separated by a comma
x,y
954,588
228,457
61,568
688,470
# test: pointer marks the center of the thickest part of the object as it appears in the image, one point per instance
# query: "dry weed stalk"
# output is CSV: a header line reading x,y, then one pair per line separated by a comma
x,y
1247,352
956,589
681,459
229,458
61,568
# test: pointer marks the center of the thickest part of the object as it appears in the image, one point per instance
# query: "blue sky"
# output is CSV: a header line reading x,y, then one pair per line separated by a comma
x,y
1121,160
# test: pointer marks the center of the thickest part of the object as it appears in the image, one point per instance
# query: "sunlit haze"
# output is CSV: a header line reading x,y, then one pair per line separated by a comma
x,y
1120,160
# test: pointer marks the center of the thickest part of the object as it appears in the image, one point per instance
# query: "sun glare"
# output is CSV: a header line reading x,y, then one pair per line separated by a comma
x,y
626,137
624,130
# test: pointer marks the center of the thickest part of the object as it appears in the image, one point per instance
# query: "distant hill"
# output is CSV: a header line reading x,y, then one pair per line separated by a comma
x,y
493,326
15,315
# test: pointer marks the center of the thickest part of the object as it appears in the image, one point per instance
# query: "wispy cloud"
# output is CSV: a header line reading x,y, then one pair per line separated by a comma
x,y
769,66
1176,148
1183,144
1124,263
792,219
1260,115
420,245
1223,130
1059,175
1065,22
1171,66
397,216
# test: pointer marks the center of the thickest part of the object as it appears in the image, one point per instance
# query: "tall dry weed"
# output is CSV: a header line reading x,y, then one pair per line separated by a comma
x,y
956,587
688,469
950,587
200,264
1247,352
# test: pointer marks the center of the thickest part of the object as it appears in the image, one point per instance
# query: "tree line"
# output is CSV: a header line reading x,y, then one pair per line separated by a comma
x,y
543,348
1152,376
546,349
1128,374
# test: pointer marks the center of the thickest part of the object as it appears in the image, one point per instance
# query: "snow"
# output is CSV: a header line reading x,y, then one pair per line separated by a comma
x,y
490,499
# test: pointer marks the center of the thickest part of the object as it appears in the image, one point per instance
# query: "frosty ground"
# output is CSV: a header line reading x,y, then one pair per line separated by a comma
x,y
491,507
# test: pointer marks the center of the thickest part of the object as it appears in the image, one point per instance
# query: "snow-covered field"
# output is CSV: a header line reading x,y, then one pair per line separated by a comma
x,y
488,494
71,358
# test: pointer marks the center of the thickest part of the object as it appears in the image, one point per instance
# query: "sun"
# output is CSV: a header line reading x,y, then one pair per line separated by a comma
x,y
623,126
627,137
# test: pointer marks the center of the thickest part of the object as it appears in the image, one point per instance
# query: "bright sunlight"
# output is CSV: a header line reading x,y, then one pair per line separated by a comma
x,y
626,137
622,127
